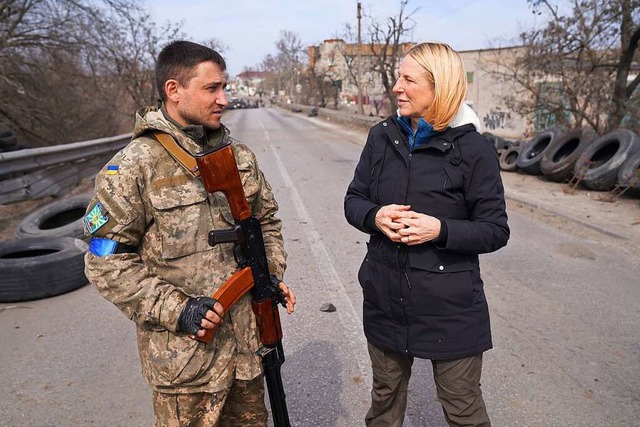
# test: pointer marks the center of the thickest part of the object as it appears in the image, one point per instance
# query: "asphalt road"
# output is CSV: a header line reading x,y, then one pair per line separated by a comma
x,y
564,309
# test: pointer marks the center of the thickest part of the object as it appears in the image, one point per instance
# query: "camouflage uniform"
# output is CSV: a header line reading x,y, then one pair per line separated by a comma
x,y
146,199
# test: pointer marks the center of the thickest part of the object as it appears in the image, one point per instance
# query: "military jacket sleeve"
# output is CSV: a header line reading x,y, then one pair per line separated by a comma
x,y
125,279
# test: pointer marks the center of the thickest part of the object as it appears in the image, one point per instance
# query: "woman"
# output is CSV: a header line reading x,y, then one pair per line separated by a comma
x,y
427,189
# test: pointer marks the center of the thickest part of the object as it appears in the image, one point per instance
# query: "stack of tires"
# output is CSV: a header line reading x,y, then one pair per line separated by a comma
x,y
47,256
508,151
599,163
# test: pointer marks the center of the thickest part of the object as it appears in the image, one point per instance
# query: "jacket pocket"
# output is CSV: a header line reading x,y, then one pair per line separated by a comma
x,y
440,285
373,278
173,360
183,218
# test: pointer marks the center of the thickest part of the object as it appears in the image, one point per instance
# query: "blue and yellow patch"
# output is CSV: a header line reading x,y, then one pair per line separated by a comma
x,y
102,247
112,169
95,218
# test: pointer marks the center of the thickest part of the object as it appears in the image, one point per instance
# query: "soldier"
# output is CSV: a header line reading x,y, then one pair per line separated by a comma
x,y
150,257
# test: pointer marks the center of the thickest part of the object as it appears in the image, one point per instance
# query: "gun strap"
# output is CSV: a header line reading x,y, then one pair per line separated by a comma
x,y
177,152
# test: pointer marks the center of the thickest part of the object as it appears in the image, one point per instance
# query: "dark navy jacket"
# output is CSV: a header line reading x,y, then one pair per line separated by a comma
x,y
428,300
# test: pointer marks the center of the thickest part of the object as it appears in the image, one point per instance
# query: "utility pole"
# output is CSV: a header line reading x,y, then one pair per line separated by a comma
x,y
359,59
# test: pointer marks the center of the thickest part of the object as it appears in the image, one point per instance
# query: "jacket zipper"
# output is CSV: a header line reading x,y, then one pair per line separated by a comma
x,y
406,190
407,277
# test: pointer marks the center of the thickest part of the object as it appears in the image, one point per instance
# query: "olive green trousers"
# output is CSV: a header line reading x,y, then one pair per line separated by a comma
x,y
457,387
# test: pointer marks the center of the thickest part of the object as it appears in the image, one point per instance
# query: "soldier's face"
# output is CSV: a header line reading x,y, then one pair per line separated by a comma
x,y
202,100
414,90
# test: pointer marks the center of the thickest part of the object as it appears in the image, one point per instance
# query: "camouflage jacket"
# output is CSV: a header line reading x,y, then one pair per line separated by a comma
x,y
146,199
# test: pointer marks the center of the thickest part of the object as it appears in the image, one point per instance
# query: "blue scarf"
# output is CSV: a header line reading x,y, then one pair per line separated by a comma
x,y
422,135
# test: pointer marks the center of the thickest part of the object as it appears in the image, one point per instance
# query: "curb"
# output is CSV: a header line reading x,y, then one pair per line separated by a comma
x,y
567,217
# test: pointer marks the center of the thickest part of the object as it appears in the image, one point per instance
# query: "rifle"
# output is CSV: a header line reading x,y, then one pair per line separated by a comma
x,y
219,172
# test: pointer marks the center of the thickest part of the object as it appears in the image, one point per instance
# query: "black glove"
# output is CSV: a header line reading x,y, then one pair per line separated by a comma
x,y
191,317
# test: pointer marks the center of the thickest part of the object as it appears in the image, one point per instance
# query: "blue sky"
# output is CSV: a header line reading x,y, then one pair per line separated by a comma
x,y
250,28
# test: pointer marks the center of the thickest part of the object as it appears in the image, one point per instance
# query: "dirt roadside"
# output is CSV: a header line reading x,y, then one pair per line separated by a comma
x,y
588,213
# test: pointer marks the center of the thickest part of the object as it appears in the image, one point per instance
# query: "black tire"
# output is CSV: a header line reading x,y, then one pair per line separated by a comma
x,y
499,142
629,173
8,142
508,159
515,144
532,152
62,218
38,268
598,165
560,156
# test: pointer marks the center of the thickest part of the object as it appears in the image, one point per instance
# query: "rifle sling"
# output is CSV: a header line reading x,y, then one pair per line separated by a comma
x,y
181,155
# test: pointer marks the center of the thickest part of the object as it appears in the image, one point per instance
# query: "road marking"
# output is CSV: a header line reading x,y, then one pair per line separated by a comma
x,y
348,315
346,311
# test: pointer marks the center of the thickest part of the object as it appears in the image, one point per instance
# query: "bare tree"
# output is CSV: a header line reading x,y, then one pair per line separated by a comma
x,y
290,55
353,58
578,69
74,69
35,35
123,43
387,48
285,66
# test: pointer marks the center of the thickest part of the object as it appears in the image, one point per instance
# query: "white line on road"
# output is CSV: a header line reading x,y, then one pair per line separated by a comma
x,y
347,314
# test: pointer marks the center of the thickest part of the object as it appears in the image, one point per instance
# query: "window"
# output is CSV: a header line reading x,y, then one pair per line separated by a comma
x,y
470,77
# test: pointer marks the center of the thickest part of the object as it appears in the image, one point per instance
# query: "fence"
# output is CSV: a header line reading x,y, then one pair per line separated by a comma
x,y
39,172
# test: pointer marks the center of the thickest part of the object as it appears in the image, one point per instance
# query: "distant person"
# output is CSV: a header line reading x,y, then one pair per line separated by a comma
x,y
427,189
149,254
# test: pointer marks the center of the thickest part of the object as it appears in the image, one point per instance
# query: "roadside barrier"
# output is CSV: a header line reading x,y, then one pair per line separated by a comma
x,y
38,172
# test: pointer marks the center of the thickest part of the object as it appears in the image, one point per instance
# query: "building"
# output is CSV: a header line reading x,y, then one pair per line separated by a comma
x,y
336,60
247,83
486,92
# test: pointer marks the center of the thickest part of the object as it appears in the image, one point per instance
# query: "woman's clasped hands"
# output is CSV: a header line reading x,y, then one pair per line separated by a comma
x,y
402,225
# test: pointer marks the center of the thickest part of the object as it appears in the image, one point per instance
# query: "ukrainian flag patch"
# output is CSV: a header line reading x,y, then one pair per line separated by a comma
x,y
95,219
112,169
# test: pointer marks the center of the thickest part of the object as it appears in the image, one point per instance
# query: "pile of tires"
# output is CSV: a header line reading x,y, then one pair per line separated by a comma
x,y
47,257
508,151
62,218
37,268
599,163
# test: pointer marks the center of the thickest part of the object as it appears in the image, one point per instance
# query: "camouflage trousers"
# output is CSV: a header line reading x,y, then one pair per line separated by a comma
x,y
239,406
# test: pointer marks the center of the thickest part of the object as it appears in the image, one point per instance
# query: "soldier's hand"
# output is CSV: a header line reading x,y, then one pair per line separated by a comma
x,y
200,314
289,296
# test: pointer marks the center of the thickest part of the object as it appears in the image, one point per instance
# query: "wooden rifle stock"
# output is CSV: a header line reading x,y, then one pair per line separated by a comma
x,y
232,290
219,172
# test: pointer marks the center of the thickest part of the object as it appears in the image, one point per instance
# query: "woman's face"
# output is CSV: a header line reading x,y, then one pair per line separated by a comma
x,y
413,89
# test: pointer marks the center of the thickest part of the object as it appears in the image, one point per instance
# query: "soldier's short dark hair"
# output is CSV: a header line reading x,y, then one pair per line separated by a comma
x,y
178,60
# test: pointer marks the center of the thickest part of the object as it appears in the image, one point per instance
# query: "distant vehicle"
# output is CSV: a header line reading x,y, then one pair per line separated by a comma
x,y
240,103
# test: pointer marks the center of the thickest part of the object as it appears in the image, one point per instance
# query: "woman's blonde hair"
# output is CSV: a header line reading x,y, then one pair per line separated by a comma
x,y
446,73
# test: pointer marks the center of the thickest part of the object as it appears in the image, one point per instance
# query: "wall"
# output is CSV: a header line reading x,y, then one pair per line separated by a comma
x,y
485,93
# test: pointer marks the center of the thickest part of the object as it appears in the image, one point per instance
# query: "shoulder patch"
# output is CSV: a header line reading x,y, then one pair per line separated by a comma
x,y
112,169
95,218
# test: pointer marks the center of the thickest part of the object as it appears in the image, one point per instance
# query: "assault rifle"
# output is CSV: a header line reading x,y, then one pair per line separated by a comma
x,y
219,172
